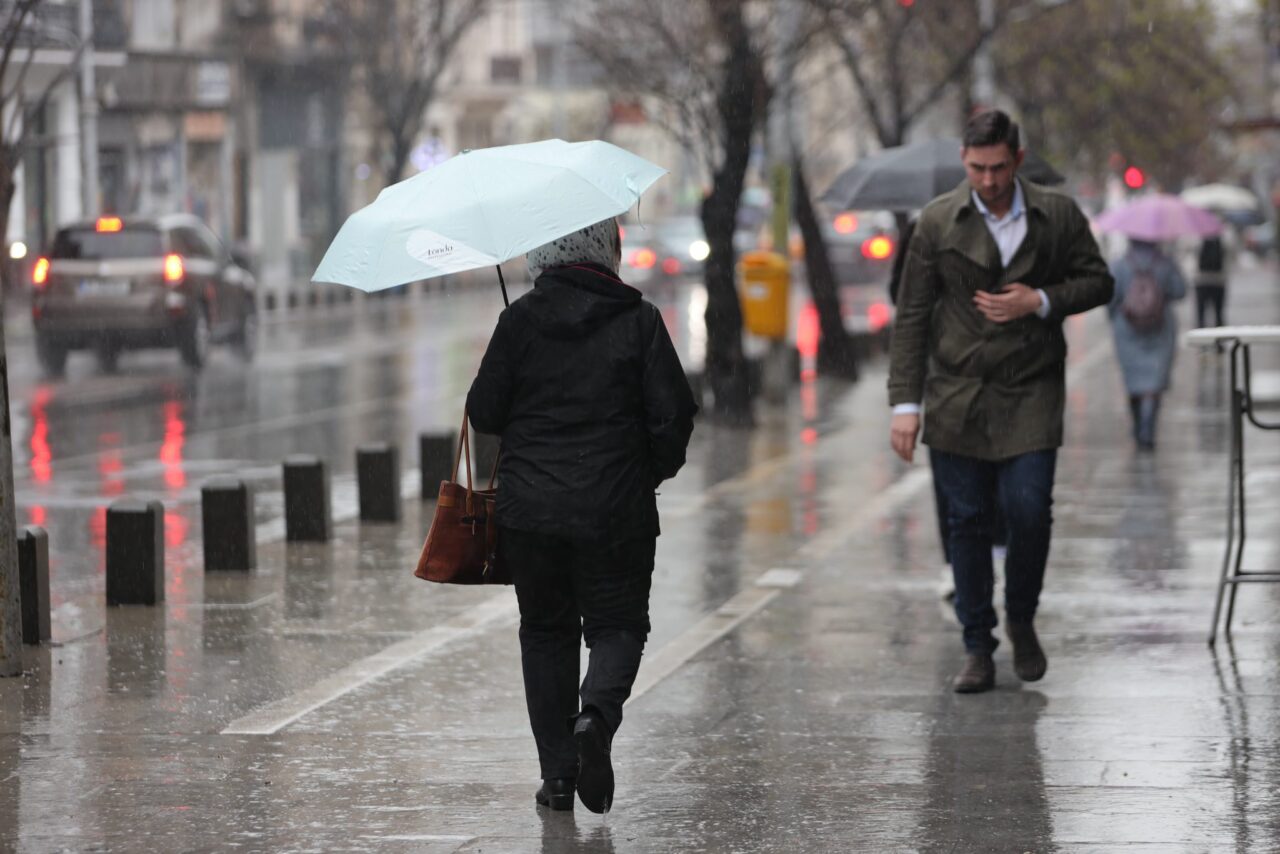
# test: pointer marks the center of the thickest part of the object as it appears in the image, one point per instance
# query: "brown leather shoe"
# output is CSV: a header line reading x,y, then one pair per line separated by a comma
x,y
1028,658
978,674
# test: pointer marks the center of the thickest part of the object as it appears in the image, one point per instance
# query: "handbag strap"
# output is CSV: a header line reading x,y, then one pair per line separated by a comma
x,y
464,449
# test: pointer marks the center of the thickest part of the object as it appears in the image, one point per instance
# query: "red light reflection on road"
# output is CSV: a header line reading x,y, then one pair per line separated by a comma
x,y
809,398
98,527
807,334
41,455
175,529
110,467
37,515
171,450
807,331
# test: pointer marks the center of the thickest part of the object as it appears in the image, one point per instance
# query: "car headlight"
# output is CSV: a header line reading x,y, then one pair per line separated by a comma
x,y
699,250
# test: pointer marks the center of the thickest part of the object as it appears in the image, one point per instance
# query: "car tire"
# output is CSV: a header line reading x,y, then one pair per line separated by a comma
x,y
194,339
51,356
246,337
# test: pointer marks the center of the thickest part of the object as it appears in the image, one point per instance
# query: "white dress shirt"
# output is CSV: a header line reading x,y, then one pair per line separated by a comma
x,y
1008,232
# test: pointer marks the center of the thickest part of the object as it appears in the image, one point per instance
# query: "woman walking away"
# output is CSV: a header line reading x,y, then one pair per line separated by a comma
x,y
582,382
1211,281
1145,330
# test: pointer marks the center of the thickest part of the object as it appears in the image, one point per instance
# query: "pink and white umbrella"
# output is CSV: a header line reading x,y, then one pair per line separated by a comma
x,y
1157,217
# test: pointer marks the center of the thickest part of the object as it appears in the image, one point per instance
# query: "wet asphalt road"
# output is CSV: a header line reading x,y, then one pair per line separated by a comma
x,y
330,702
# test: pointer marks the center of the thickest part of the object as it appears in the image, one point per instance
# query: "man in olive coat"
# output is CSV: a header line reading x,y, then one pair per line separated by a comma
x,y
992,269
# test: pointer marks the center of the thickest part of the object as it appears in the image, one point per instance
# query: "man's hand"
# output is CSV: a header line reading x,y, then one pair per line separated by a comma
x,y
902,434
1014,301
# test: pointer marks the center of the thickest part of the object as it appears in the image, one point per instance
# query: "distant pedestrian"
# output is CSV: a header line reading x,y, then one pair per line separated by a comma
x,y
582,382
993,268
1211,281
1145,329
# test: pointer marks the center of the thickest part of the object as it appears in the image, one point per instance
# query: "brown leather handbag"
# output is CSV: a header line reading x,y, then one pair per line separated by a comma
x,y
462,545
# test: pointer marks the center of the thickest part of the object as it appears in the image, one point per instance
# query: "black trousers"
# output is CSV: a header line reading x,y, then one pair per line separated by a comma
x,y
1210,296
569,590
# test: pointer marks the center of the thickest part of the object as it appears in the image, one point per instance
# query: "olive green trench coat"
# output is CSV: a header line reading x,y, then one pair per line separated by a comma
x,y
991,391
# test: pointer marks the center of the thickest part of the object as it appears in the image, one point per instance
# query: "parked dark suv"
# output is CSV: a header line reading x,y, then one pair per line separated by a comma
x,y
114,284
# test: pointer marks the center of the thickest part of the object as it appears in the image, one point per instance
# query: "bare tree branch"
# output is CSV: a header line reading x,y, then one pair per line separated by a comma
x,y
13,32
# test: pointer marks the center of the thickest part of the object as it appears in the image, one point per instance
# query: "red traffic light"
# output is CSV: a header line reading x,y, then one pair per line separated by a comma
x,y
1134,178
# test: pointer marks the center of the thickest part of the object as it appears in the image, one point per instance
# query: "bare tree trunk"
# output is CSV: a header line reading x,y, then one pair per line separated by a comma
x,y
10,607
726,366
399,156
836,353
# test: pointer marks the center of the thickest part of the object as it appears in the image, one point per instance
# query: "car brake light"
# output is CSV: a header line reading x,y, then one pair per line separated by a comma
x,y
877,248
643,259
40,274
109,223
174,271
846,223
878,316
671,266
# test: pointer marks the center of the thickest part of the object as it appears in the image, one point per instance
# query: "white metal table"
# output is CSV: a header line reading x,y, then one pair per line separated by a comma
x,y
1237,340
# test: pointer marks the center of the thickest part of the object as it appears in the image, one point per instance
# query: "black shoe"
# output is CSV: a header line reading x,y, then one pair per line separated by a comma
x,y
977,675
595,770
556,793
1028,658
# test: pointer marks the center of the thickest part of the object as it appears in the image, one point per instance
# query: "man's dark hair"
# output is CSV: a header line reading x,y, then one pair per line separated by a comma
x,y
992,127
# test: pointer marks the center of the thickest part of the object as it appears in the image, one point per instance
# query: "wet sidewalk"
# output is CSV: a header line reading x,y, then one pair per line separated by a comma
x,y
794,695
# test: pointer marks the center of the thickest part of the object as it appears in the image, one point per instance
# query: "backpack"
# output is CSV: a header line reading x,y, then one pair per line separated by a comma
x,y
1143,304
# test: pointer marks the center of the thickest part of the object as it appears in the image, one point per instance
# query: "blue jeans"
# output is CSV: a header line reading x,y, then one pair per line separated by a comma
x,y
973,490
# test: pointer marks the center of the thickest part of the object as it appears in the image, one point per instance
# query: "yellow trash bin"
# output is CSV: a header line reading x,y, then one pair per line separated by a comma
x,y
764,279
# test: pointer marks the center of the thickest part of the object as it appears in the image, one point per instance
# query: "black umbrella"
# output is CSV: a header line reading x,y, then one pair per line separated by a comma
x,y
907,177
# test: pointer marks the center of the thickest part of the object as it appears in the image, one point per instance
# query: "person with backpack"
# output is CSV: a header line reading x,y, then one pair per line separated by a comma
x,y
1145,330
979,356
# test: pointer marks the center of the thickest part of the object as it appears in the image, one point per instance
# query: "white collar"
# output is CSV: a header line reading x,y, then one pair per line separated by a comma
x,y
1016,210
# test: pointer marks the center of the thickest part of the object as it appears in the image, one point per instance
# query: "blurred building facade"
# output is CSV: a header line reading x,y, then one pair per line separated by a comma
x,y
248,114
49,181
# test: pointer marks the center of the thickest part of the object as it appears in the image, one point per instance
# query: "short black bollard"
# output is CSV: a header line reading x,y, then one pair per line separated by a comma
x,y
378,480
33,582
306,499
435,460
485,456
226,510
135,552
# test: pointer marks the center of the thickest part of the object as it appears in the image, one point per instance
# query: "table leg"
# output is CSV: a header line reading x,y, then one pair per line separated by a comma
x,y
1235,501
1241,515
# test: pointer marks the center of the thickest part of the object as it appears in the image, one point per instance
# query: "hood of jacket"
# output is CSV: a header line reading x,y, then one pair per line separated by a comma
x,y
574,301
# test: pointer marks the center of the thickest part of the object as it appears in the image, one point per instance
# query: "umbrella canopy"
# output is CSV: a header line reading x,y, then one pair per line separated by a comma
x,y
1221,197
481,208
907,177
1157,217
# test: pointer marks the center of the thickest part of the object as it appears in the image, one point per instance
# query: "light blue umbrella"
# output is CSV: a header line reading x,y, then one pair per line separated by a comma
x,y
481,208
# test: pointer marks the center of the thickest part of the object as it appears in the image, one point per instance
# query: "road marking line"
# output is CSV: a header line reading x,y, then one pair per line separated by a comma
x,y
780,578
699,636
273,717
